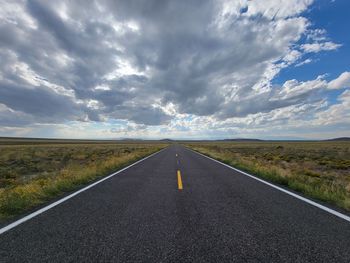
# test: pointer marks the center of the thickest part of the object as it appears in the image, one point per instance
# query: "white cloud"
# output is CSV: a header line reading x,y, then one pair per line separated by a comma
x,y
293,56
278,8
343,81
316,35
306,61
336,114
177,67
317,47
293,88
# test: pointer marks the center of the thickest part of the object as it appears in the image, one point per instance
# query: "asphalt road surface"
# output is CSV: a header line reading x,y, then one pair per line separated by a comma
x,y
143,215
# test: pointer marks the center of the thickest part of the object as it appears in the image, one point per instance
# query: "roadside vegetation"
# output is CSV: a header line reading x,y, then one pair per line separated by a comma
x,y
34,172
320,170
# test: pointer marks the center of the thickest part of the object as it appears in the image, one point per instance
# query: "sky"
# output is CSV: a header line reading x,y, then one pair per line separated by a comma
x,y
194,69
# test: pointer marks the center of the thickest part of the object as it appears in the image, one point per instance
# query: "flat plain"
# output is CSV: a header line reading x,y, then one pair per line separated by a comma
x,y
36,171
318,169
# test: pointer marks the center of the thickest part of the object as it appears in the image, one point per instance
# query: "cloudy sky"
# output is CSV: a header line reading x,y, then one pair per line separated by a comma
x,y
177,69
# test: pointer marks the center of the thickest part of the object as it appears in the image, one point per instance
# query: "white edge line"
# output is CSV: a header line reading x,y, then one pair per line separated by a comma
x,y
329,210
42,210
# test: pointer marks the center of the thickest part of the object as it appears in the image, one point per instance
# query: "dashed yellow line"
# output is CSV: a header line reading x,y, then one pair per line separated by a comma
x,y
179,180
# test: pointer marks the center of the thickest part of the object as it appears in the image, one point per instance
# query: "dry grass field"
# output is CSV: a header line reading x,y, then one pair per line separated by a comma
x,y
320,170
35,171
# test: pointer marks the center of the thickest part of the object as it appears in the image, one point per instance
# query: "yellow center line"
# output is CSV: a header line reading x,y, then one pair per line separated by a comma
x,y
179,181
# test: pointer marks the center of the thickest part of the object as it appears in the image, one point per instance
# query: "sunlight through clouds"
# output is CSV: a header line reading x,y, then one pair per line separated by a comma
x,y
206,69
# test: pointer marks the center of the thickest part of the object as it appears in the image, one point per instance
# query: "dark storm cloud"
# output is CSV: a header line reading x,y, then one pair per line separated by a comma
x,y
38,101
188,53
91,58
141,114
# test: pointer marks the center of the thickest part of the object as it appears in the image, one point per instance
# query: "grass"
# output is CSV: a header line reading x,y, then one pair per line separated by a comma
x,y
33,173
320,170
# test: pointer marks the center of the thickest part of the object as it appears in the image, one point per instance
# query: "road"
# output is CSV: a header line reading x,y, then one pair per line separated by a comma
x,y
142,215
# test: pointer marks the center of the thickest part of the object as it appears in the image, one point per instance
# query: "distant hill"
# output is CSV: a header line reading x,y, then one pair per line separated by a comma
x,y
340,139
242,140
129,139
